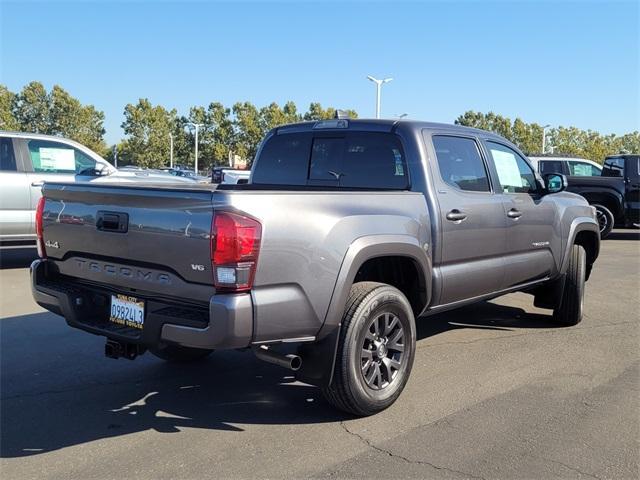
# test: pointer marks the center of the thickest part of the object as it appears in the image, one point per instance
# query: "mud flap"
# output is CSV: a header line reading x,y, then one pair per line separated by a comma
x,y
318,359
549,295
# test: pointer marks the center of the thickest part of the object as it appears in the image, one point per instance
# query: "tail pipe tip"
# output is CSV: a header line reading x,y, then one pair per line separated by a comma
x,y
288,361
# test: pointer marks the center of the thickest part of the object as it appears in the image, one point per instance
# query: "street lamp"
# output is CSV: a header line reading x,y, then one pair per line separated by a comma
x,y
196,126
378,85
544,138
171,150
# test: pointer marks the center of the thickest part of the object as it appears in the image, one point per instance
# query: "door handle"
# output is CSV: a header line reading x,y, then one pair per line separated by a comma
x,y
514,213
112,221
456,215
37,184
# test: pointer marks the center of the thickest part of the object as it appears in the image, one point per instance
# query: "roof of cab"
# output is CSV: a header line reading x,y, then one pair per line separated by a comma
x,y
385,125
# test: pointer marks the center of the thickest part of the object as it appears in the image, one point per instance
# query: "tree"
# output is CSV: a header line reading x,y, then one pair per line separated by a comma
x,y
629,143
32,109
69,118
249,130
223,133
147,128
7,104
316,112
54,113
563,140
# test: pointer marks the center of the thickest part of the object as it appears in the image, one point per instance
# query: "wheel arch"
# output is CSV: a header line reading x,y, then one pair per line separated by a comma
x,y
584,231
319,357
373,250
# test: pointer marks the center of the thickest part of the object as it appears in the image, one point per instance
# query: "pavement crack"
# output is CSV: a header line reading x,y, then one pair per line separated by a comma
x,y
371,445
574,469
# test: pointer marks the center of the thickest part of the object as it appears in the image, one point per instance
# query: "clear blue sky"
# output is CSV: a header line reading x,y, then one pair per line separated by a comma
x,y
571,63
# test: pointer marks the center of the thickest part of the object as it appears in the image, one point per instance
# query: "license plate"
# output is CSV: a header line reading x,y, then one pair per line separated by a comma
x,y
127,311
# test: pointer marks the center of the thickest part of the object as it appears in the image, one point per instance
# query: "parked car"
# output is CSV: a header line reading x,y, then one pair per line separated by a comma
x,y
29,160
188,174
347,233
229,175
570,166
615,194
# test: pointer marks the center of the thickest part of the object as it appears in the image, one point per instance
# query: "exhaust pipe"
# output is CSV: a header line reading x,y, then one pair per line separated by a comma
x,y
290,361
130,351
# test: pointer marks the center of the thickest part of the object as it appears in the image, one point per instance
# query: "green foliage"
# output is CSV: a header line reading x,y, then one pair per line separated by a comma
x,y
147,128
69,118
32,109
316,112
249,129
55,113
561,140
7,104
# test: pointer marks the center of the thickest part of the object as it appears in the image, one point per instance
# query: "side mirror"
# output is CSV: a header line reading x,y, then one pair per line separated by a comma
x,y
555,182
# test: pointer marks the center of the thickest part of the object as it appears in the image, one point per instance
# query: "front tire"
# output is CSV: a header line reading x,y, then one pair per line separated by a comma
x,y
569,312
605,220
375,351
179,354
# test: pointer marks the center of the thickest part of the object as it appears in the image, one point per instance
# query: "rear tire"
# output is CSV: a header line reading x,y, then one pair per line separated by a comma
x,y
375,351
605,219
569,312
179,354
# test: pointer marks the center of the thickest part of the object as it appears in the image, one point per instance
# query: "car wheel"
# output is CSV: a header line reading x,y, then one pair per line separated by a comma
x,y
179,354
569,312
375,350
605,220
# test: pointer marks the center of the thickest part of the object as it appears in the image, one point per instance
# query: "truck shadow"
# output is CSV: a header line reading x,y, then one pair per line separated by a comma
x,y
59,391
626,234
17,258
485,316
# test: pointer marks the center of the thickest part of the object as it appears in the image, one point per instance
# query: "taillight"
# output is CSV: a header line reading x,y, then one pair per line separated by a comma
x,y
235,243
42,253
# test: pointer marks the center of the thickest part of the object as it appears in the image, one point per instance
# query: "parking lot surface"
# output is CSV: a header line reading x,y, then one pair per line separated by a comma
x,y
497,391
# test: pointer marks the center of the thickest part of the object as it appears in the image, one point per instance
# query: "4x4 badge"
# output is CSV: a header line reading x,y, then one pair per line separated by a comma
x,y
51,244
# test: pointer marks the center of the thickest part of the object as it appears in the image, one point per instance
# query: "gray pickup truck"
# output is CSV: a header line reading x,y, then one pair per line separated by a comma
x,y
347,232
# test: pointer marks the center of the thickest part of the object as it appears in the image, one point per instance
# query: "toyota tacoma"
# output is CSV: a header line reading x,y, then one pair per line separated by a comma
x,y
347,233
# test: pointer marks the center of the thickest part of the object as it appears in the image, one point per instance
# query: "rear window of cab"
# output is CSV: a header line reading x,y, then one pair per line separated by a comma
x,y
345,159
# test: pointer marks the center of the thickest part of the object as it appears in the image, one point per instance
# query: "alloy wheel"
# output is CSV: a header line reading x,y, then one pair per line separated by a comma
x,y
383,351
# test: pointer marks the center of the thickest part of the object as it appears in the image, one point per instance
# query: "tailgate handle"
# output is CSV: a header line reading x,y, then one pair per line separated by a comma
x,y
112,221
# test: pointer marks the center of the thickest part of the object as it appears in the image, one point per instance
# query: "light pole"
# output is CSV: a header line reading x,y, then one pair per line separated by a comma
x,y
378,85
544,138
170,150
196,126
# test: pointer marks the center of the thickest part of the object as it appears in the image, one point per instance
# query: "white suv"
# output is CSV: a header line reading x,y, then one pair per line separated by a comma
x,y
573,167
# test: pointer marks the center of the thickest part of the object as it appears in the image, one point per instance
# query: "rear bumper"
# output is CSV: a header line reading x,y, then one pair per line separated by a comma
x,y
225,323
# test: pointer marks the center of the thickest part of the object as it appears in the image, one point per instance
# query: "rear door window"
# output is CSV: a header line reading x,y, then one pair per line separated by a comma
x,y
460,163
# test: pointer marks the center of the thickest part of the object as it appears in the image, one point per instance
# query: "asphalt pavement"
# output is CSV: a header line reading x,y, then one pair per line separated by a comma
x,y
497,391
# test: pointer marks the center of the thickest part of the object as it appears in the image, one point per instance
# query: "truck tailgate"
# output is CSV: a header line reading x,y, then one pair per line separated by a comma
x,y
150,237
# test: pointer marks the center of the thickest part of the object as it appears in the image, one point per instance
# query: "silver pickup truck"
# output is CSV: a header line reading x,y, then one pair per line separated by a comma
x,y
27,160
347,232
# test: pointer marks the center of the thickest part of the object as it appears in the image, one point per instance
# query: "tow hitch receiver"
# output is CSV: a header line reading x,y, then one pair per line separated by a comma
x,y
114,349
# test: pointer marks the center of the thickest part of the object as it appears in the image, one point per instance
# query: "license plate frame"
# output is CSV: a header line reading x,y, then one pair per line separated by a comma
x,y
127,311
